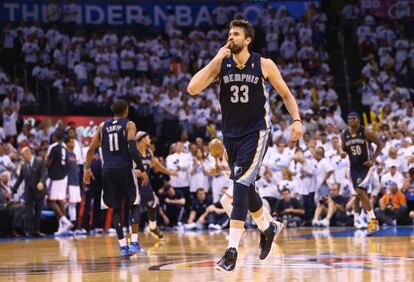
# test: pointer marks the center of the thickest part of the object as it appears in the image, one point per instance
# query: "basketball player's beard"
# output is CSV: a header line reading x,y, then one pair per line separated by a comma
x,y
235,49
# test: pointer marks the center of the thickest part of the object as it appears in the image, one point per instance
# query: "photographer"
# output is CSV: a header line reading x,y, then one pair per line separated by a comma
x,y
289,210
332,207
393,206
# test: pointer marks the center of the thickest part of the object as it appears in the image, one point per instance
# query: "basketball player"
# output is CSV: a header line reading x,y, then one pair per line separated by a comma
x,y
356,142
146,192
246,126
58,181
116,136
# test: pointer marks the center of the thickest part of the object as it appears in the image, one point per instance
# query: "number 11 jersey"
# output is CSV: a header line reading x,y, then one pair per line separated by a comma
x,y
243,97
114,144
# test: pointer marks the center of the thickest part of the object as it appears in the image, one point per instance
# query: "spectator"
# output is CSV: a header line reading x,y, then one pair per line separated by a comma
x,y
393,206
198,211
332,208
408,190
172,206
289,210
199,173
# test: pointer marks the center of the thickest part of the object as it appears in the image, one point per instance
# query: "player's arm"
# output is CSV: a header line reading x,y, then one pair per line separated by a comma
x,y
95,142
159,166
209,73
272,73
372,137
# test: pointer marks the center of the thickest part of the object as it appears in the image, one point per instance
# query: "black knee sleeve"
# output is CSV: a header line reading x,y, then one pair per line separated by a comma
x,y
152,213
240,202
116,221
135,214
255,202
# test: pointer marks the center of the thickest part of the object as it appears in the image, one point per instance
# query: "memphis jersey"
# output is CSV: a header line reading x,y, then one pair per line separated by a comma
x,y
146,160
57,156
114,145
244,100
358,147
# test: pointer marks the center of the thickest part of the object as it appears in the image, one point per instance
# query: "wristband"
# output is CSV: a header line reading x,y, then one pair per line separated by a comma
x,y
298,121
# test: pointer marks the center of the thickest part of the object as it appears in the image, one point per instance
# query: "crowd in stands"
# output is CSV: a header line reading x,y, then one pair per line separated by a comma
x,y
304,186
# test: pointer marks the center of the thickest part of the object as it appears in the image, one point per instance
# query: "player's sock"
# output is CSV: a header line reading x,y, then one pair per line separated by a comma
x,y
260,218
134,237
122,242
72,212
371,214
152,225
234,237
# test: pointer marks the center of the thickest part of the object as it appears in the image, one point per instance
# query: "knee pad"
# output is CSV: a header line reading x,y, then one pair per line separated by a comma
x,y
240,202
135,214
255,202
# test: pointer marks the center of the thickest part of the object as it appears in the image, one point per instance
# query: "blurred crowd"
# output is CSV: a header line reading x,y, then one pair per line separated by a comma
x,y
305,185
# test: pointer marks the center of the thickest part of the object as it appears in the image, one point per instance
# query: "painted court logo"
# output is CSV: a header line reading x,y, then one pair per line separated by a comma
x,y
322,261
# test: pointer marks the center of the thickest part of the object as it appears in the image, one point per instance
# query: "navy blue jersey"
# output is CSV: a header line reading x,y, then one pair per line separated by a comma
x,y
114,145
146,160
243,98
57,156
357,147
72,169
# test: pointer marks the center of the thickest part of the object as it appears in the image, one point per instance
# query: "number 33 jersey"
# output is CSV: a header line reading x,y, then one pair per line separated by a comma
x,y
358,147
243,98
114,144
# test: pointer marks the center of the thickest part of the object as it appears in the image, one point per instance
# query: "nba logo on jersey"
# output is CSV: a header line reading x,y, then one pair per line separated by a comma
x,y
229,65
237,170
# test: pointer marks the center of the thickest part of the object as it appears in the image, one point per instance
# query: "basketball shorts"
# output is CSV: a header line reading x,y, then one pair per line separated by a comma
x,y
246,154
118,185
57,189
361,176
74,194
147,196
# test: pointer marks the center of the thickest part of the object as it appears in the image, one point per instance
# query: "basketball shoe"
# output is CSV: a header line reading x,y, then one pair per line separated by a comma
x,y
228,262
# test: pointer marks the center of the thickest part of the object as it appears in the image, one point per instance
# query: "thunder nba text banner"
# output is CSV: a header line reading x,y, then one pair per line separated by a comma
x,y
394,9
188,14
86,126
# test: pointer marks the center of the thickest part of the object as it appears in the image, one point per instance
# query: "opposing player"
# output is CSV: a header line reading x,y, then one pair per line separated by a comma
x,y
246,126
356,142
116,136
146,192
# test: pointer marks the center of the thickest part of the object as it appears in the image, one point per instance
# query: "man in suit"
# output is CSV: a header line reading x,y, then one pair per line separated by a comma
x,y
34,174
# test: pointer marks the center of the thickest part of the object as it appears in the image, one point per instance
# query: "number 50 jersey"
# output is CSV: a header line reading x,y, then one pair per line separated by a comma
x,y
357,147
243,98
114,144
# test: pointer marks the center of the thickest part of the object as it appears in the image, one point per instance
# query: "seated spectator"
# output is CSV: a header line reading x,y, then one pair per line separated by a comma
x,y
198,211
11,211
289,210
392,206
332,207
172,206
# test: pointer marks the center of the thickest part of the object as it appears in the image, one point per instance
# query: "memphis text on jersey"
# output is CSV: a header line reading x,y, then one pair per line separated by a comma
x,y
236,77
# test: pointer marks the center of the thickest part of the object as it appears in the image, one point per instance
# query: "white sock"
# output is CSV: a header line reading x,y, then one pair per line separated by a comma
x,y
72,212
234,237
122,242
361,214
371,214
134,237
152,225
262,222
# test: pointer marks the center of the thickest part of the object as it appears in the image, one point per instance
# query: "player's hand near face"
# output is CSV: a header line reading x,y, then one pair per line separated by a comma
x,y
224,51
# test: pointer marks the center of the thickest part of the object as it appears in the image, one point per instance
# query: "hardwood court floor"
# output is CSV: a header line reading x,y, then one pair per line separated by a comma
x,y
335,254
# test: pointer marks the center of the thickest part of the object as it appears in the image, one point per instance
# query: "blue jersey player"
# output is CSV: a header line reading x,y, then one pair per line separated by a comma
x,y
116,136
356,142
246,126
148,199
